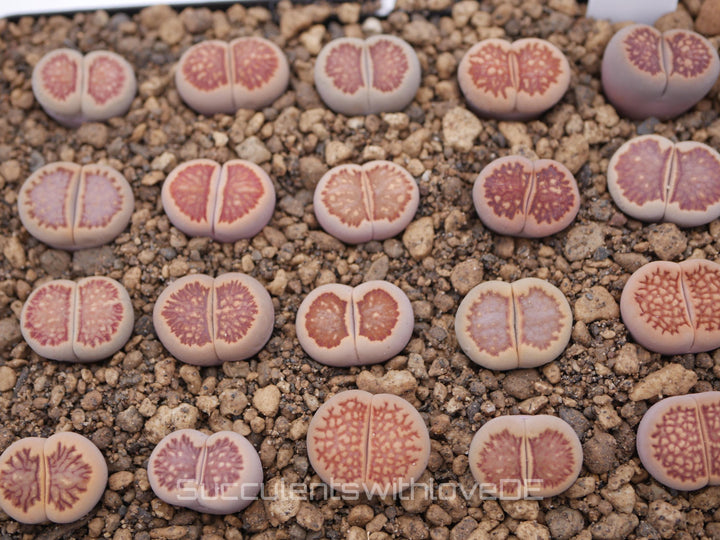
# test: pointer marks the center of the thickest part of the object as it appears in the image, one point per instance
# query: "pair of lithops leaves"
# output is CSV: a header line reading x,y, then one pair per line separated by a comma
x,y
652,178
207,321
69,206
214,474
517,196
677,441
73,88
524,456
358,442
646,72
513,81
58,479
359,203
379,74
81,321
339,325
219,77
522,324
225,202
674,308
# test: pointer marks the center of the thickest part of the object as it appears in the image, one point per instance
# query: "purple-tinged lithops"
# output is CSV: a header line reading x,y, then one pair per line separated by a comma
x,y
207,321
520,197
227,203
521,456
513,81
69,206
214,474
678,441
73,88
58,479
374,444
379,74
338,325
359,203
649,73
651,178
674,308
218,77
522,324
81,321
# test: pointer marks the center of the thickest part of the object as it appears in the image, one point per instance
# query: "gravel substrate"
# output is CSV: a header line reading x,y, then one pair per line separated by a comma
x,y
602,384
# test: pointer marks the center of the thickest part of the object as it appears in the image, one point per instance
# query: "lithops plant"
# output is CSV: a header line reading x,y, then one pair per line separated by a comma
x,y
73,88
227,203
338,325
214,474
674,308
69,206
218,77
649,73
513,81
522,324
653,179
359,203
520,197
379,74
58,479
678,441
81,321
522,456
207,321
358,442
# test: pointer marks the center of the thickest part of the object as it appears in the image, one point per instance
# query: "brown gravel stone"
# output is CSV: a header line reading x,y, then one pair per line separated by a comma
x,y
667,241
600,453
708,19
670,380
564,522
596,304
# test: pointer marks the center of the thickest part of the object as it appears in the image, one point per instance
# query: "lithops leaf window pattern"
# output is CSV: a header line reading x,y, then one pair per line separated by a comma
x,y
374,201
677,440
338,325
673,308
207,321
58,479
216,474
516,196
522,324
653,179
523,456
376,444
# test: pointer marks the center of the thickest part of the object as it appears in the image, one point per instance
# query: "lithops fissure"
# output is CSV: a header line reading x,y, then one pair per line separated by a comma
x,y
648,73
513,81
653,179
678,441
520,456
522,324
379,74
674,308
375,444
338,325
